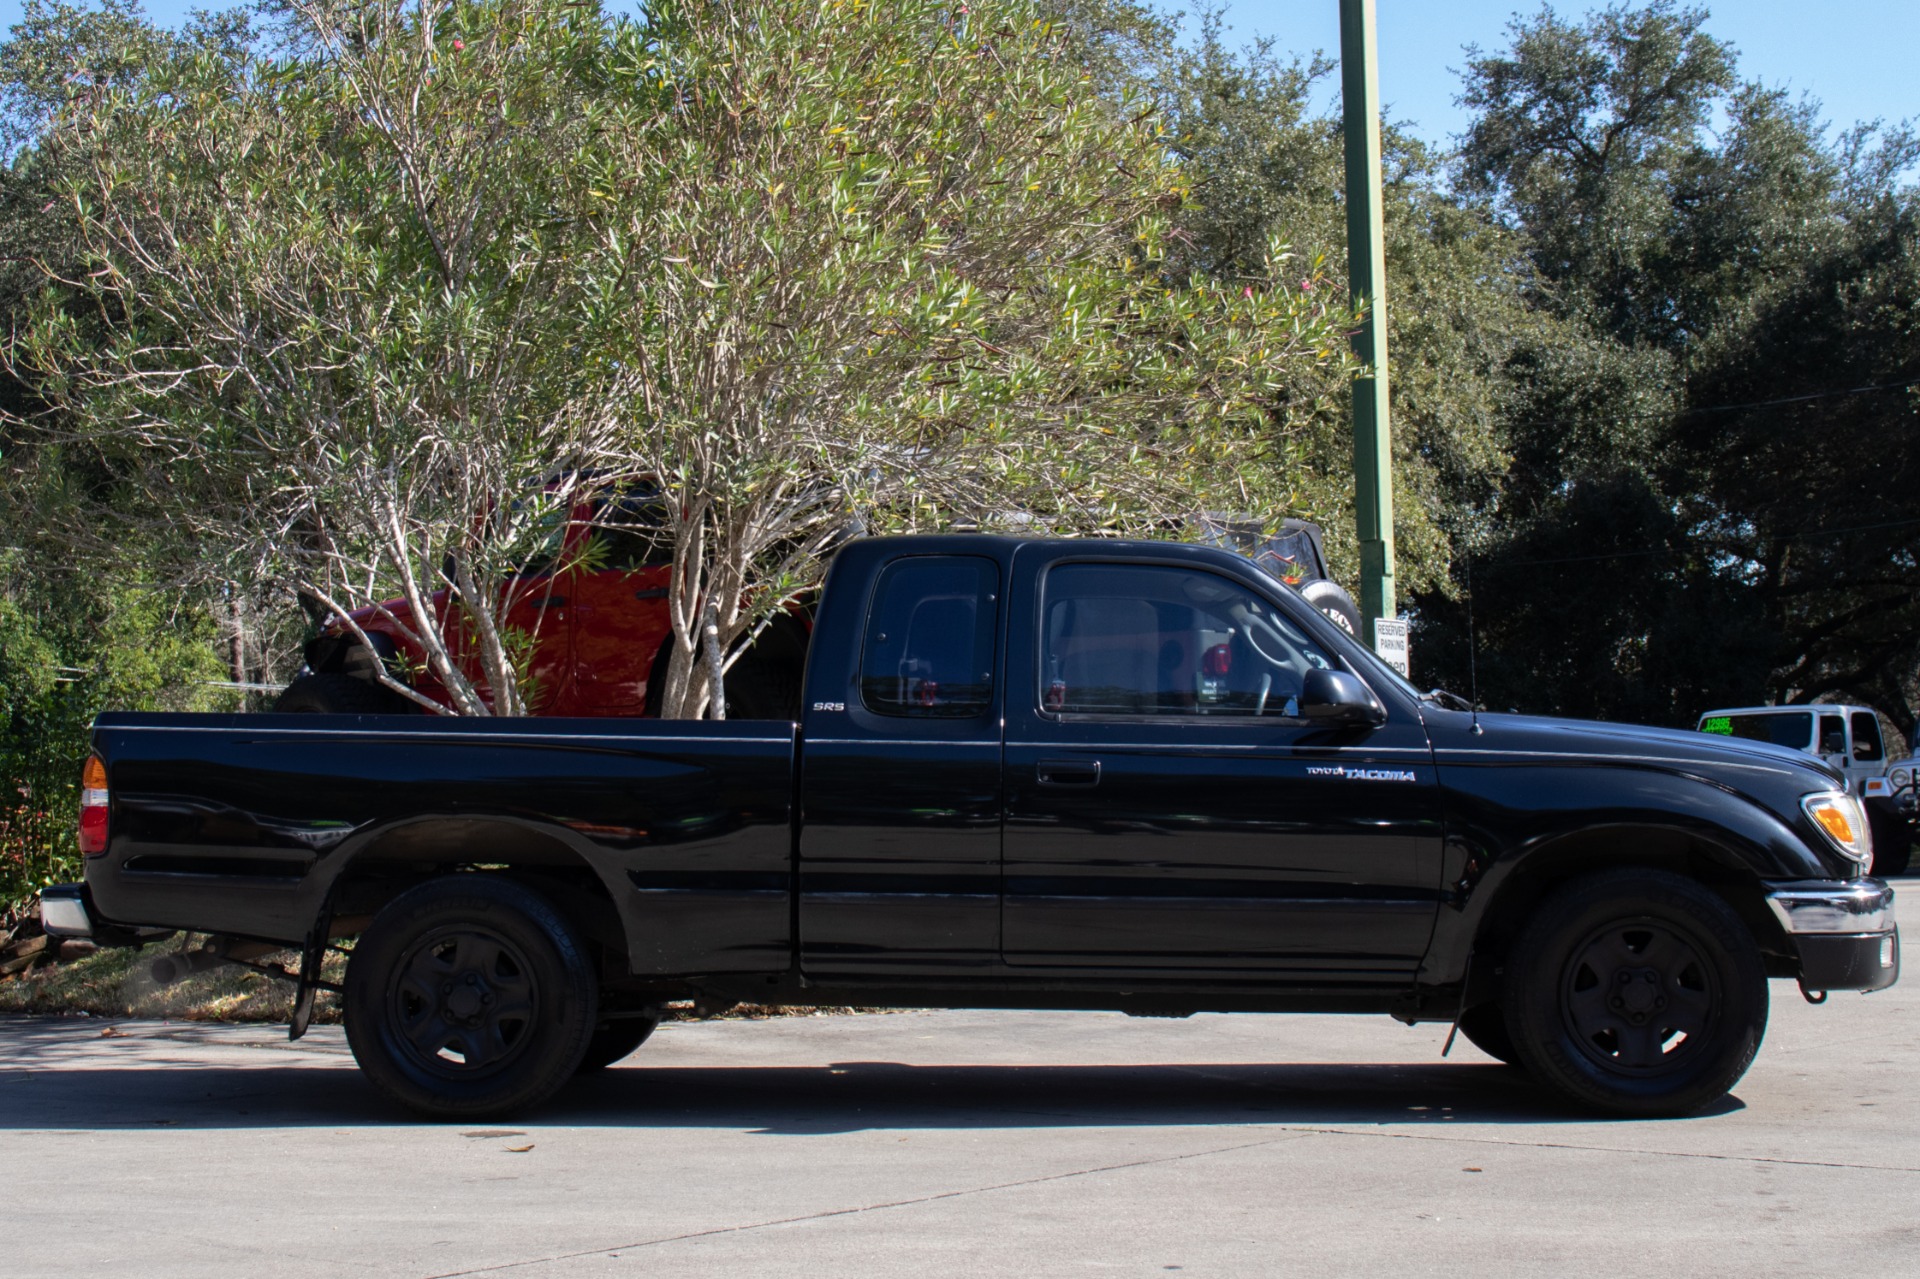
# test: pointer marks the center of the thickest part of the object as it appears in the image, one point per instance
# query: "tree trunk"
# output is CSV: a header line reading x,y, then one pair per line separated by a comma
x,y
716,672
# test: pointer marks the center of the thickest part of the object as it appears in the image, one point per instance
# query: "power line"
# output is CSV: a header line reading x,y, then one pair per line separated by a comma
x,y
1662,550
1672,415
1798,399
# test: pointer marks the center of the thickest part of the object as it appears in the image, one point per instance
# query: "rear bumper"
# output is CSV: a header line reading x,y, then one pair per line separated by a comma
x,y
67,910
1843,931
64,912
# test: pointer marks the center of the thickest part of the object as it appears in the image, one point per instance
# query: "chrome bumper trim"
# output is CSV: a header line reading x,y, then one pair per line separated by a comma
x,y
1827,906
65,917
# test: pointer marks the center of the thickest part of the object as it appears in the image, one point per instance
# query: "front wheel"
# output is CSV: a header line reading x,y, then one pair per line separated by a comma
x,y
1637,992
470,996
1486,1029
615,1039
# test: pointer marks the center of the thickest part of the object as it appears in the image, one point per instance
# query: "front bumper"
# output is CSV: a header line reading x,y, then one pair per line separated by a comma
x,y
1843,930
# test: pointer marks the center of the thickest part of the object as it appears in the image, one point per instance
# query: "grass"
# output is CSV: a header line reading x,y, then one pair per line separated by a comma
x,y
114,983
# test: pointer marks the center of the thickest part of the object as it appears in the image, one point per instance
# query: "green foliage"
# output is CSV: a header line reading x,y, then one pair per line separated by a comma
x,y
354,307
911,262
1264,165
71,646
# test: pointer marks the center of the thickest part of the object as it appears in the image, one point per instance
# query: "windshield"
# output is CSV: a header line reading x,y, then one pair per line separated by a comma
x,y
1783,728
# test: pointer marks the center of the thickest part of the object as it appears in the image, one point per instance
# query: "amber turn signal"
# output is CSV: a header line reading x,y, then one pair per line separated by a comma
x,y
1843,820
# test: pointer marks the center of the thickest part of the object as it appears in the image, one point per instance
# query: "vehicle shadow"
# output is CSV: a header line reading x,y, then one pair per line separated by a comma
x,y
812,1100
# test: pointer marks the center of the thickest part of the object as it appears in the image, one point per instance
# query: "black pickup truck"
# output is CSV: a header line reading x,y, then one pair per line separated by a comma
x,y
1028,774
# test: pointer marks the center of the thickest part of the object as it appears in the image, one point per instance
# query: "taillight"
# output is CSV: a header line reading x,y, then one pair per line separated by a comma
x,y
93,807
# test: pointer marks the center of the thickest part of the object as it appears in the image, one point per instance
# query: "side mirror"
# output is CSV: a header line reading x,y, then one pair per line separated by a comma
x,y
1335,698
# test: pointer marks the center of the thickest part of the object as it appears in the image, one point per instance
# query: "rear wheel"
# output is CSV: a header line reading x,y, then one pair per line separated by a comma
x,y
1637,992
339,695
470,996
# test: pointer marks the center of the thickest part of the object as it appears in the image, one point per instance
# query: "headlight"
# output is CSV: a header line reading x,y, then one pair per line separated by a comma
x,y
1843,820
1901,778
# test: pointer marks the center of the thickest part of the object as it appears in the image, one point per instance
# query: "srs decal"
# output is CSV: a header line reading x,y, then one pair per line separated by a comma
x,y
1361,774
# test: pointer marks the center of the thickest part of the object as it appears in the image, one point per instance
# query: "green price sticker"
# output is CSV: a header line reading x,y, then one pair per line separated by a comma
x,y
1721,724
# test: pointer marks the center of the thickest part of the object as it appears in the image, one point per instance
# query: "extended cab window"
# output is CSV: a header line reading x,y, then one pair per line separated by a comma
x,y
1136,639
929,648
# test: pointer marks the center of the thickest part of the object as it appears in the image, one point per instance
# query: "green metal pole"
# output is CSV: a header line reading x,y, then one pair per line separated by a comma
x,y
1367,282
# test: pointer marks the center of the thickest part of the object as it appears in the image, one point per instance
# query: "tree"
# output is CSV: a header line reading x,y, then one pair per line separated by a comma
x,y
379,310
1677,529
1264,165
339,303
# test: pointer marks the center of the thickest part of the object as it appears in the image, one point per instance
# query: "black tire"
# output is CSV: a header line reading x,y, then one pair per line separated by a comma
x,y
1636,992
339,695
1338,606
615,1039
515,1006
1486,1029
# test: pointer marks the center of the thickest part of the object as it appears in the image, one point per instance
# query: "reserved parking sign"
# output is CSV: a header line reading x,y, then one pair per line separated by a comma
x,y
1390,641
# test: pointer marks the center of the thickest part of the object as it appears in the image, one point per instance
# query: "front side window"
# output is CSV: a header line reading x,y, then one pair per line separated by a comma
x,y
1833,735
1136,639
1866,737
929,645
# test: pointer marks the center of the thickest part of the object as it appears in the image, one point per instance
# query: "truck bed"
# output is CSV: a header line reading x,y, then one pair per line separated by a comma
x,y
240,824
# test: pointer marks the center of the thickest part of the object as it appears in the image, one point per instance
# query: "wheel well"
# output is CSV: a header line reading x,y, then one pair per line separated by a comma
x,y
1558,861
405,856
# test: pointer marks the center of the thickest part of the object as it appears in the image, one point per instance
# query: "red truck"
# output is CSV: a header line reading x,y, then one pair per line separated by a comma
x,y
602,634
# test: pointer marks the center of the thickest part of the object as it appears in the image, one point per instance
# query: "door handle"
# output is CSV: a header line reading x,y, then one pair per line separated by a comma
x,y
1069,772
651,593
551,601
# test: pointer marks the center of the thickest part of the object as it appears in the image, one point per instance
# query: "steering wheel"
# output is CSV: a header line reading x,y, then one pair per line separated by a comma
x,y
1256,624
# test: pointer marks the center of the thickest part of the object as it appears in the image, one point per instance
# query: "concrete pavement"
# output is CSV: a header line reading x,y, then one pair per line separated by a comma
x,y
960,1143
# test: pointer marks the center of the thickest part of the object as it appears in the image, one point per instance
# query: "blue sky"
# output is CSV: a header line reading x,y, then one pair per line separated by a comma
x,y
1858,57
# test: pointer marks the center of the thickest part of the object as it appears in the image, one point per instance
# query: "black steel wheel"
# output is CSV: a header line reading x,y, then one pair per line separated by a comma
x,y
1486,1029
1637,992
470,996
615,1039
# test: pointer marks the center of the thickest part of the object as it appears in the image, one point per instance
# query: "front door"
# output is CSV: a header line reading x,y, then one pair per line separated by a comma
x,y
1168,807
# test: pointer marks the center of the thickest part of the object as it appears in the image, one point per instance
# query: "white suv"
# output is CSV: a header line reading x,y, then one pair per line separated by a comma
x,y
1847,737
